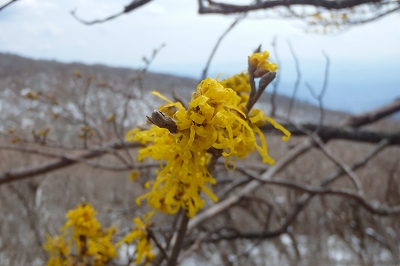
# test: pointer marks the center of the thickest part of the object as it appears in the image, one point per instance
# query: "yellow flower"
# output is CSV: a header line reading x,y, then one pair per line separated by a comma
x,y
134,175
82,230
216,118
143,246
162,142
78,74
111,118
11,130
239,82
259,61
101,249
58,250
178,184
32,95
82,221
57,261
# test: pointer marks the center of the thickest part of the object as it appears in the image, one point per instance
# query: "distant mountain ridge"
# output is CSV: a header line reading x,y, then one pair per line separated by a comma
x,y
47,74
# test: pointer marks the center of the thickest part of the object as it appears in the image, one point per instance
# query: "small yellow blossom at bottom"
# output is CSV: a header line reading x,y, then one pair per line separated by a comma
x,y
58,249
82,242
111,118
134,175
143,245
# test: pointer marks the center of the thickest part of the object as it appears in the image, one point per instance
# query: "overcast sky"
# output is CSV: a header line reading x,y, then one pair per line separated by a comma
x,y
44,29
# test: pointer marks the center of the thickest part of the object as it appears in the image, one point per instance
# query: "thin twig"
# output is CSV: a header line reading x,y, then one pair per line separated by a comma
x,y
178,238
305,198
311,192
84,110
276,83
196,245
298,79
7,4
331,132
204,74
152,236
234,199
214,7
29,172
320,95
133,5
127,166
265,80
373,115
353,177
140,77
322,190
179,241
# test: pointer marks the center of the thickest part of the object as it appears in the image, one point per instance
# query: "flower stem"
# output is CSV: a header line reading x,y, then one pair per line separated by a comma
x,y
173,259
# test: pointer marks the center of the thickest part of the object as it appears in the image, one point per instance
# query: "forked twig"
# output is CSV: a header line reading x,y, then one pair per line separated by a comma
x,y
133,5
353,177
305,198
319,96
232,200
7,4
204,74
298,79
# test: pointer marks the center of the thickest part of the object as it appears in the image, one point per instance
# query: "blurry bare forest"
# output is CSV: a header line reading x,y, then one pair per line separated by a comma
x,y
332,198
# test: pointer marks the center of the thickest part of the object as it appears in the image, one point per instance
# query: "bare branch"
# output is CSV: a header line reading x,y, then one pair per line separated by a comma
x,y
374,115
30,212
353,177
276,82
152,236
222,8
204,75
379,209
179,241
7,4
305,198
296,85
132,6
265,80
378,9
195,246
319,96
289,158
128,166
179,236
234,199
19,174
327,133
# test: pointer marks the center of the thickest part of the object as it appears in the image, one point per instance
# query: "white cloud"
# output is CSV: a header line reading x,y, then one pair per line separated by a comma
x,y
155,9
35,7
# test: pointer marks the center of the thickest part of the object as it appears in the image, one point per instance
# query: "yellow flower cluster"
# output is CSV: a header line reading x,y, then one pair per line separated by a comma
x,y
260,62
92,244
240,84
178,183
58,250
143,246
216,119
